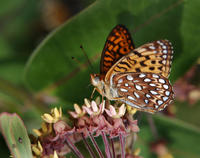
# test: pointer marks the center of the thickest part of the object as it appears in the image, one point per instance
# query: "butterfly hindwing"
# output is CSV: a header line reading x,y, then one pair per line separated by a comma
x,y
145,91
118,44
155,57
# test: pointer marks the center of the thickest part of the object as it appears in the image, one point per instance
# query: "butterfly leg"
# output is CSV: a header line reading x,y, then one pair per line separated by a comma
x,y
92,93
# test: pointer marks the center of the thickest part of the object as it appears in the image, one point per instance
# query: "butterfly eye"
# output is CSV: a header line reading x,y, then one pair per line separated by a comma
x,y
95,79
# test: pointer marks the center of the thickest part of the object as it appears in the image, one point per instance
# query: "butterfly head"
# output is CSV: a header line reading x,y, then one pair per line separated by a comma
x,y
97,82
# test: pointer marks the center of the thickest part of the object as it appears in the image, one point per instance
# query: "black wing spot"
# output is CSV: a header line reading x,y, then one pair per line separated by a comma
x,y
147,57
160,68
138,70
137,53
152,68
125,63
142,63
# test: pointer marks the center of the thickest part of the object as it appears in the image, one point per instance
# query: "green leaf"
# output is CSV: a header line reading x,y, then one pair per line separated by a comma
x,y
15,134
181,138
52,69
8,6
188,112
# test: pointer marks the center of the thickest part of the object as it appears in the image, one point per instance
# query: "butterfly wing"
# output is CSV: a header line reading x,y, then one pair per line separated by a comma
x,y
145,91
155,57
118,44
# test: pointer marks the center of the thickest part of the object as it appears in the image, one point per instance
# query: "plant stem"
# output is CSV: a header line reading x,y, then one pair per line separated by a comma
x,y
113,148
92,154
152,126
73,147
95,145
122,142
107,147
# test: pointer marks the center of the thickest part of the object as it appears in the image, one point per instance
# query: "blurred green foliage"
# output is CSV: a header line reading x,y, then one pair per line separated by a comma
x,y
32,83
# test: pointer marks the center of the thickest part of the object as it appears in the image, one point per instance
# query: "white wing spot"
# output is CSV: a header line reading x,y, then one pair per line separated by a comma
x,y
129,77
165,98
155,51
159,42
165,51
165,106
142,75
156,106
120,80
136,95
131,98
148,96
146,101
126,84
164,62
165,86
152,47
164,47
138,87
167,93
155,76
165,56
123,90
170,101
153,92
160,102
152,84
147,80
161,80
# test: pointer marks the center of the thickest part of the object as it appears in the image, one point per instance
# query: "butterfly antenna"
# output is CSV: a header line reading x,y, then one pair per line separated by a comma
x,y
88,60
76,60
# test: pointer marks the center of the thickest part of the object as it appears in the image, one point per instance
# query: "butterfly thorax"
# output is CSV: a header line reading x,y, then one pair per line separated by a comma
x,y
104,87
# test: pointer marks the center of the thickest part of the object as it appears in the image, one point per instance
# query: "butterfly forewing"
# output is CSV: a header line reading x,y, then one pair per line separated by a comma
x,y
138,77
153,57
145,91
118,44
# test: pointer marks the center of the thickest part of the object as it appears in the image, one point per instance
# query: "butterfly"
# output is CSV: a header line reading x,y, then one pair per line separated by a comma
x,y
135,76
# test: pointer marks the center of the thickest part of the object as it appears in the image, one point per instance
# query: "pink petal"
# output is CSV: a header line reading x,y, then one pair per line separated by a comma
x,y
112,110
108,112
122,110
94,106
88,110
73,114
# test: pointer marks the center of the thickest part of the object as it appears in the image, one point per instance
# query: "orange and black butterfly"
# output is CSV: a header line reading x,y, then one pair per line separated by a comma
x,y
135,76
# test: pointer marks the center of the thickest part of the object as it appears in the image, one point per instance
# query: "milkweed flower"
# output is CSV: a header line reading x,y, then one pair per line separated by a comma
x,y
53,117
94,118
112,112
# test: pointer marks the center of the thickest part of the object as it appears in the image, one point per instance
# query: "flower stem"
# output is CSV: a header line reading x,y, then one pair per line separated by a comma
x,y
73,147
92,154
122,142
152,126
113,148
107,147
96,146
